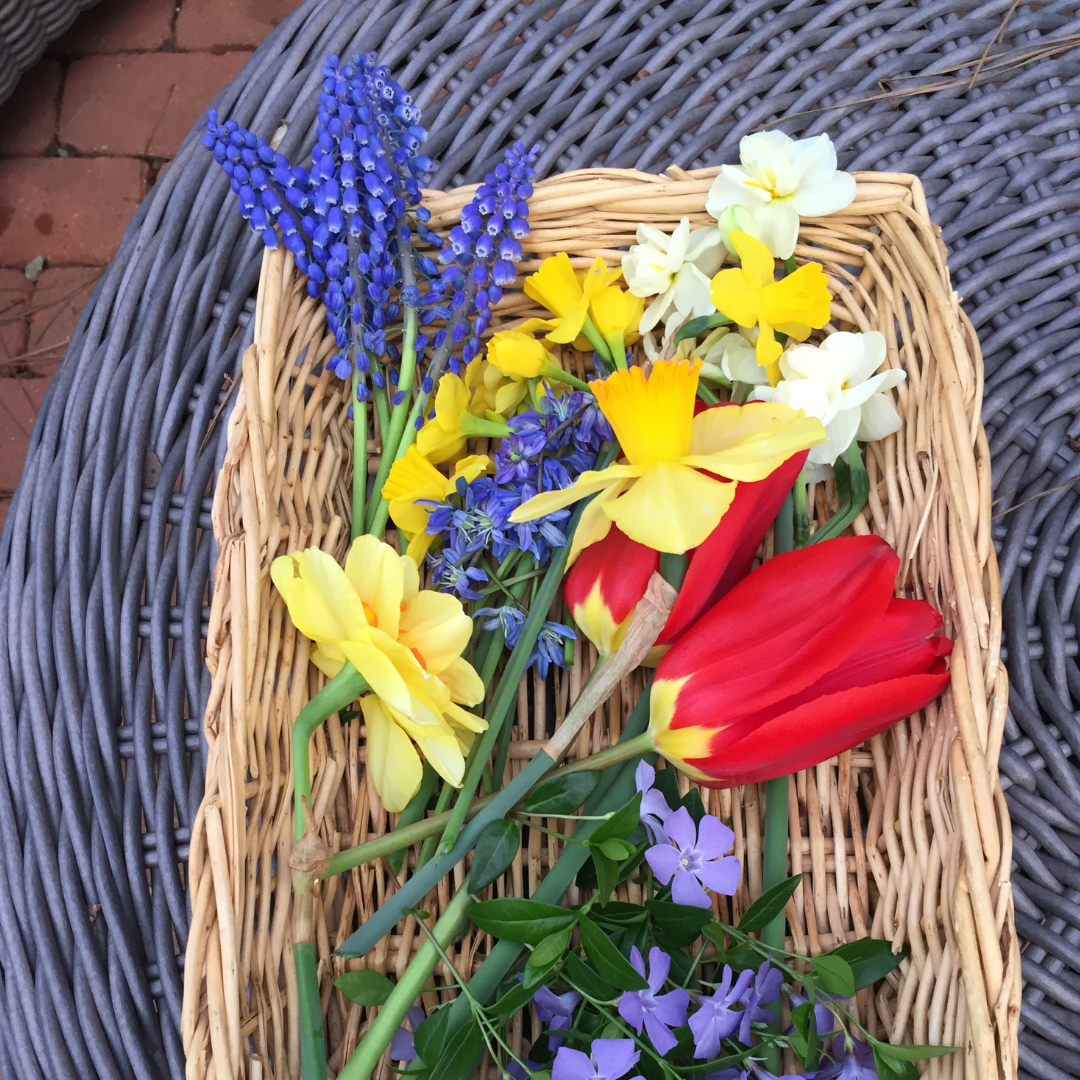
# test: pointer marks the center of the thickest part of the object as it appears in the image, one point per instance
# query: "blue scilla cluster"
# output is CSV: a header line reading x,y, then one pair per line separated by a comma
x,y
352,222
548,448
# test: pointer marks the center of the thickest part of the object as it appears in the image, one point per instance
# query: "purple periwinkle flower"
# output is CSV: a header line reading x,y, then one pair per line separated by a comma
x,y
764,990
609,1059
522,1070
695,857
654,807
853,1060
557,1011
403,1044
717,1018
658,1012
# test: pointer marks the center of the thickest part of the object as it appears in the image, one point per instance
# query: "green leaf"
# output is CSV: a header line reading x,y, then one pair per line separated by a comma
x,y
549,952
694,806
676,925
667,783
700,325
496,849
431,1035
458,1059
607,873
525,921
805,1020
514,1000
561,795
889,1069
906,1052
768,905
365,987
870,959
616,849
610,963
835,975
621,914
583,977
621,823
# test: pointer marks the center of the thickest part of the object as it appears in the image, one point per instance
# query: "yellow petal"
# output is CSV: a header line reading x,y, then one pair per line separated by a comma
x,y
555,285
801,297
321,601
671,507
593,524
470,468
438,744
768,351
392,759
735,296
651,416
375,571
439,444
748,442
419,542
329,659
460,717
381,674
412,477
516,354
757,261
547,502
410,577
435,626
461,679
598,277
616,313
509,396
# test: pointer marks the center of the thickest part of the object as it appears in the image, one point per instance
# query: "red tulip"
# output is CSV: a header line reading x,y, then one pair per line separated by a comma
x,y
808,656
610,576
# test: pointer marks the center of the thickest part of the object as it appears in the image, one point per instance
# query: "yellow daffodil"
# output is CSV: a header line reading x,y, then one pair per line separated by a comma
x,y
566,294
406,642
520,357
666,495
413,478
489,389
462,412
795,305
441,438
617,315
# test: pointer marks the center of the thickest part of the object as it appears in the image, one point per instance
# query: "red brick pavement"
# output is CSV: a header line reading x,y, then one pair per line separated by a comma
x,y
82,139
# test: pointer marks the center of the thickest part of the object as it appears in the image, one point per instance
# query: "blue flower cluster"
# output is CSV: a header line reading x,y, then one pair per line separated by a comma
x,y
352,221
548,448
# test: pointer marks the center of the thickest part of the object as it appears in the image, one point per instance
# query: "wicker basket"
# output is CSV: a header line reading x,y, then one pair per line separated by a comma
x,y
906,838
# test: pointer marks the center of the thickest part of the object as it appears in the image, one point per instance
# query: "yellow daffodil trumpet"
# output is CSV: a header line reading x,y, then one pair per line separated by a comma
x,y
405,642
520,357
668,494
794,305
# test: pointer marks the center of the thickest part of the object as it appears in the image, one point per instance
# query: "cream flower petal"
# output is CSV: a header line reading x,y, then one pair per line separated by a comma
x,y
826,197
392,760
671,507
857,394
739,361
706,250
548,502
659,309
329,659
464,684
410,577
878,418
691,292
840,430
435,626
734,187
375,571
778,226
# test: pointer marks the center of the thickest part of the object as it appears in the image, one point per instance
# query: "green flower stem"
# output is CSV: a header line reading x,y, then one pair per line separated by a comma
x,y
706,394
312,1039
405,836
382,411
614,790
558,374
673,568
801,517
398,419
343,689
854,487
482,427
775,867
359,479
370,1050
596,340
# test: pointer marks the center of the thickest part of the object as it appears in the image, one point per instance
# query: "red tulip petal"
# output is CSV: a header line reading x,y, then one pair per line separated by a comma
x,y
622,568
820,728
728,553
778,631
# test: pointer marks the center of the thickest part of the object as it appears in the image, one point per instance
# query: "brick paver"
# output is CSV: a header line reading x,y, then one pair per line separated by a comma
x,y
85,133
168,92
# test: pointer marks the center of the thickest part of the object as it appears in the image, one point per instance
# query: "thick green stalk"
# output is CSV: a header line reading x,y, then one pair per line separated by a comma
x,y
673,568
367,1055
614,790
359,480
343,689
405,836
854,487
596,340
800,516
312,1040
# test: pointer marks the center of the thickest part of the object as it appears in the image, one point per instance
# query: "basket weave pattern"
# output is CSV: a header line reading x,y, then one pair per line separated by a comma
x,y
906,838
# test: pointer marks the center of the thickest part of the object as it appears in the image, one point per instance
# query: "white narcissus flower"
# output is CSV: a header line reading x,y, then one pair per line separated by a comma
x,y
675,269
839,383
779,180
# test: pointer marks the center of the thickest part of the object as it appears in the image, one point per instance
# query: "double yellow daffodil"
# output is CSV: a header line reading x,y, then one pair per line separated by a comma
x,y
406,642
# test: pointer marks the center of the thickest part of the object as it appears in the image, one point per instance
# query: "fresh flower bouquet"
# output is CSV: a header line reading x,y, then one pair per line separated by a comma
x,y
672,441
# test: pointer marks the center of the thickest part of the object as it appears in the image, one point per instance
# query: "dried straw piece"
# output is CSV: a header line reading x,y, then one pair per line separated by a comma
x,y
906,838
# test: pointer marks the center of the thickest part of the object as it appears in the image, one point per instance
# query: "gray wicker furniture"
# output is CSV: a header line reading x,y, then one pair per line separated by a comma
x,y
106,558
26,28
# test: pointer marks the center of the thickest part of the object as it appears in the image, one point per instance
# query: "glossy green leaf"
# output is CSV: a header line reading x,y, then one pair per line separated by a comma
x,y
676,925
430,1037
835,975
870,959
609,962
549,951
912,1052
561,795
616,849
607,873
768,905
459,1057
525,921
621,823
496,849
365,987
584,978
702,325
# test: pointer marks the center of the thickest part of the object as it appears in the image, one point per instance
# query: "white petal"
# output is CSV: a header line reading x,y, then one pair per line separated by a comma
x,y
654,237
733,187
815,158
839,432
826,197
778,226
705,250
740,362
680,240
854,396
659,309
691,292
877,418
867,352
807,395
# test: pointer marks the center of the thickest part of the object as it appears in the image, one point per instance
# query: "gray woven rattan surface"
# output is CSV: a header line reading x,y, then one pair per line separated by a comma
x,y
106,557
26,28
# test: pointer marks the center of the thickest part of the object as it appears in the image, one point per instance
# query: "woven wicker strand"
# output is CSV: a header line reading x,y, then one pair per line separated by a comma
x,y
926,863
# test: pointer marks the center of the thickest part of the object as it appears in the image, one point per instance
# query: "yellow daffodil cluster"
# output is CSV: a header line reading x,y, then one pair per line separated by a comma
x,y
406,642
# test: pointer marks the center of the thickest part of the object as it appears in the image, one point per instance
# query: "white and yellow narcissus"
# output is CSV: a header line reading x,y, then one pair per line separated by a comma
x,y
839,382
406,642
